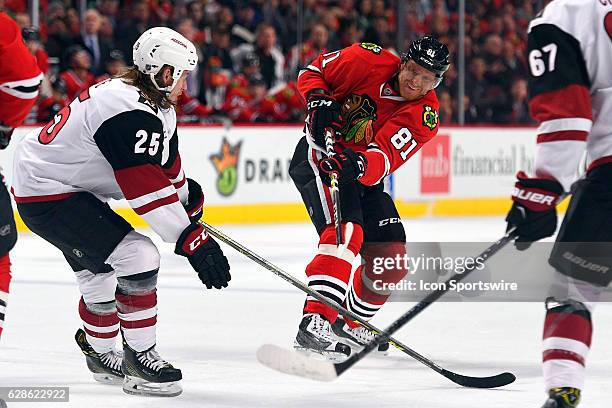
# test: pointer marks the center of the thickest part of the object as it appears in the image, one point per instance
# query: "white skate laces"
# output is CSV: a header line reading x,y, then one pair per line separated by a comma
x,y
112,359
321,327
360,333
151,359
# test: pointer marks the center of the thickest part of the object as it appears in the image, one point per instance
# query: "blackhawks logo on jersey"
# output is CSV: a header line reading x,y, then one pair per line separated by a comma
x,y
376,49
359,114
226,164
430,117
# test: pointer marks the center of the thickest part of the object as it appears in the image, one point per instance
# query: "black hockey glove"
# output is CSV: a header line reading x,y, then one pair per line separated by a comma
x,y
348,165
323,114
205,256
534,211
5,135
195,201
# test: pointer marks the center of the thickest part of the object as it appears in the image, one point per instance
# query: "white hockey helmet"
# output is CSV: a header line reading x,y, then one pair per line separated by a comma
x,y
159,46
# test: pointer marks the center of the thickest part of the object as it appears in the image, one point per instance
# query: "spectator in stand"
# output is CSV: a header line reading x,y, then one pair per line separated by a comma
x,y
128,32
90,39
283,105
110,10
115,65
190,108
217,68
241,102
311,48
477,85
271,60
58,39
195,11
107,30
78,77
348,33
250,68
31,37
446,107
520,105
50,105
73,22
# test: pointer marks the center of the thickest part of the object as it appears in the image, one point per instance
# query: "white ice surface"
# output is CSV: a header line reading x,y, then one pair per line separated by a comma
x,y
213,335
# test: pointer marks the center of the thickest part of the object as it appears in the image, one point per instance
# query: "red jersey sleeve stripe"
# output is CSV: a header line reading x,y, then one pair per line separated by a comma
x,y
568,102
140,180
563,135
156,204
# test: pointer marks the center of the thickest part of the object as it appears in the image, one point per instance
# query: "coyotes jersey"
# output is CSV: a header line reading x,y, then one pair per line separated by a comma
x,y
20,76
112,142
377,121
570,86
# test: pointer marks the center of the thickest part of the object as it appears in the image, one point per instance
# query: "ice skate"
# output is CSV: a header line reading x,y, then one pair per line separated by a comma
x,y
315,336
146,373
106,367
562,398
357,337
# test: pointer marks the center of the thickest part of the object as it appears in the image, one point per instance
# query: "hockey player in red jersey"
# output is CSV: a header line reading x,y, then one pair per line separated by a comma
x,y
383,109
569,89
118,139
20,79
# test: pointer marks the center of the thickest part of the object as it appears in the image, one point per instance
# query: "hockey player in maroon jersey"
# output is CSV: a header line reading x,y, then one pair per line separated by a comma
x,y
569,90
118,139
20,79
383,109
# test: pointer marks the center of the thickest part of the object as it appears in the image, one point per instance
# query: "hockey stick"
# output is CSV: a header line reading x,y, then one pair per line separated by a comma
x,y
274,357
296,364
335,192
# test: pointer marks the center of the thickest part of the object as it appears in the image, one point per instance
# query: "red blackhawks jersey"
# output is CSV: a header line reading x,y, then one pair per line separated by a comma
x,y
570,86
377,121
112,142
20,76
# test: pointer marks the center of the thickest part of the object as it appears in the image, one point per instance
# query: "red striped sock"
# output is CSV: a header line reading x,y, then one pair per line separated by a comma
x,y
101,330
138,317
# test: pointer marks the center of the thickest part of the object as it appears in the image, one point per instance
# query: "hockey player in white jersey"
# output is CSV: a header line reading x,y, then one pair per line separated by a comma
x,y
117,140
570,50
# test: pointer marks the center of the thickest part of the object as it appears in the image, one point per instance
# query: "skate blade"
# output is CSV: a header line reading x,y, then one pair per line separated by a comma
x,y
138,386
109,379
321,355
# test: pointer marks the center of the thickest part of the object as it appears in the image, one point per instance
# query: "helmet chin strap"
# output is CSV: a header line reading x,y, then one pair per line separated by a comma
x,y
167,89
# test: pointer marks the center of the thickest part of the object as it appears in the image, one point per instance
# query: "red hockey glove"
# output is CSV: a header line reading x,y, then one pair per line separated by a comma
x,y
205,256
323,114
195,201
533,212
348,165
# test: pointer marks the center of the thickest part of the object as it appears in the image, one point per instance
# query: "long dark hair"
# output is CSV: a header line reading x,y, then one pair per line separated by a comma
x,y
143,82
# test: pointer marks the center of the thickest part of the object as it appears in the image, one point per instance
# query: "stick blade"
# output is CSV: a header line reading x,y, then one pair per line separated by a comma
x,y
494,381
292,363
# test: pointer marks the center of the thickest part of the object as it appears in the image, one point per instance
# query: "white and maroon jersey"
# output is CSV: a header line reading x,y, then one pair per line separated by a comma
x,y
376,120
20,76
570,86
112,142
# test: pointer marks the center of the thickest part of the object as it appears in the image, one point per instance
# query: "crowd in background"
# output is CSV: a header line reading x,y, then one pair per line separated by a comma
x,y
249,59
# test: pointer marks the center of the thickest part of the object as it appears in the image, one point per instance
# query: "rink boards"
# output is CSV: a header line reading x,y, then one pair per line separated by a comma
x,y
244,172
